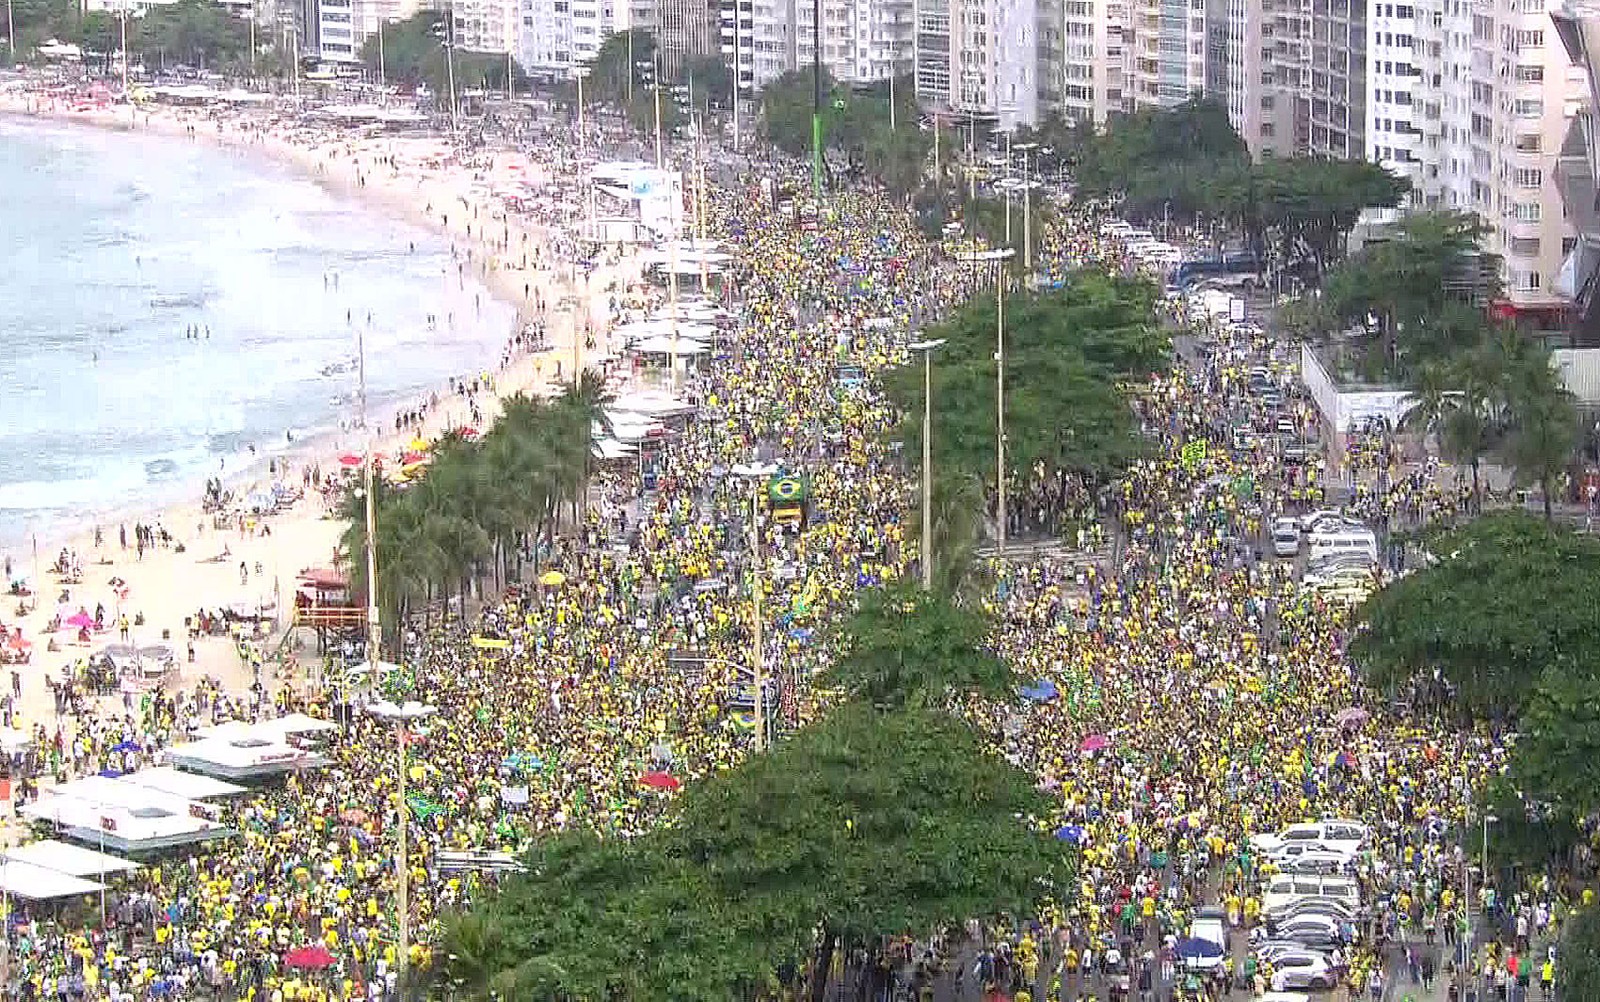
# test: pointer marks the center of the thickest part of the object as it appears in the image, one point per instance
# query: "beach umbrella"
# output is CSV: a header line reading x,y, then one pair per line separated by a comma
x,y
552,579
350,460
81,620
1095,742
1042,691
1195,948
413,459
309,958
127,746
1351,716
1071,833
467,432
110,773
660,781
418,445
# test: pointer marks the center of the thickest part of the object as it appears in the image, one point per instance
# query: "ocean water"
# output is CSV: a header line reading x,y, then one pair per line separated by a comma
x,y
113,245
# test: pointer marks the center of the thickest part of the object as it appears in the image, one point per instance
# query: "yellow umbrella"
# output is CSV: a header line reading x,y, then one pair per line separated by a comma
x,y
552,579
419,445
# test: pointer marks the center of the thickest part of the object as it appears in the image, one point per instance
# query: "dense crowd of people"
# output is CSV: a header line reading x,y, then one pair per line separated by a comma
x,y
1195,688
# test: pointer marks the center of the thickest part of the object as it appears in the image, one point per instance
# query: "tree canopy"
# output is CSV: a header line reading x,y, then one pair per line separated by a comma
x,y
414,53
1188,161
862,825
1578,966
887,816
1069,350
1508,599
466,516
904,646
612,76
856,123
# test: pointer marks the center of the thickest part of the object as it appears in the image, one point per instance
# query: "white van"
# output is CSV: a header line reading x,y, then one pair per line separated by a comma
x,y
1345,539
1284,889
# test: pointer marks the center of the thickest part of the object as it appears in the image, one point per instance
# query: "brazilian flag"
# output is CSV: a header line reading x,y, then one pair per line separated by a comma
x,y
785,491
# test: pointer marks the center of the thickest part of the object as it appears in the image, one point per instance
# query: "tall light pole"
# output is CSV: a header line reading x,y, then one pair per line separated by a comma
x,y
999,256
1027,206
402,715
736,73
927,348
816,100
11,33
758,473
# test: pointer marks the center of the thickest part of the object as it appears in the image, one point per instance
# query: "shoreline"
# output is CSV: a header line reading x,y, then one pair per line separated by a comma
x,y
422,182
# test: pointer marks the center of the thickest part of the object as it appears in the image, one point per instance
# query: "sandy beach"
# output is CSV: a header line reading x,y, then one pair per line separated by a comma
x,y
257,562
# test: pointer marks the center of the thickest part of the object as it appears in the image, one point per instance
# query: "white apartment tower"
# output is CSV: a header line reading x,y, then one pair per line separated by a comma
x,y
1472,101
556,38
1167,51
1081,58
979,59
863,41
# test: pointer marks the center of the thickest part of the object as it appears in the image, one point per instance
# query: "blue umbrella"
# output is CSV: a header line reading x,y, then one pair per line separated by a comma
x,y
1071,833
1042,691
1192,948
126,746
111,773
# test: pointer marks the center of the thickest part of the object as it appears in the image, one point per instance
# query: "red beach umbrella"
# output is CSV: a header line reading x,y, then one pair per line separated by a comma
x,y
350,460
309,958
660,781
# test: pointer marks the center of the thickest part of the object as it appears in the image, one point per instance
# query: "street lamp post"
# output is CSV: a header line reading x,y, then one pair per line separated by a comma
x,y
999,256
402,715
927,349
757,472
1469,944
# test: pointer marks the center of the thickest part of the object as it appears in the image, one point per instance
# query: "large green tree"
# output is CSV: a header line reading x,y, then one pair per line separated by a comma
x,y
905,646
1557,755
892,149
1069,353
863,825
1508,598
413,52
621,67
1578,965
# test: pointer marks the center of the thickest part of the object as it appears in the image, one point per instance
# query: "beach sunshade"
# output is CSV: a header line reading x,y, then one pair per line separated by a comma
x,y
127,746
412,459
467,432
552,579
418,445
350,460
1071,833
1192,947
81,620
660,781
1351,716
1042,691
111,773
309,958
1095,742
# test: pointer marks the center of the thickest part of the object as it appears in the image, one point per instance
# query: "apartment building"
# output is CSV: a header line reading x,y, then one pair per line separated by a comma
x,y
862,40
1167,51
1472,102
556,38
979,59
1081,58
1577,166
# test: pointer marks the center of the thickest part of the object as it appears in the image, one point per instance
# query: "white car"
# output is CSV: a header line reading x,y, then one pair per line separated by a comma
x,y
1208,925
1302,970
1311,518
1285,537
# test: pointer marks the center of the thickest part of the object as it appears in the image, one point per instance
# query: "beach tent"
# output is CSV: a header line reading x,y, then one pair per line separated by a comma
x,y
247,757
73,860
165,779
652,404
112,814
664,344
36,883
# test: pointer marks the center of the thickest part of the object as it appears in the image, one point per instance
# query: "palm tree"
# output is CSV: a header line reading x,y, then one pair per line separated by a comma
x,y
1543,423
1433,399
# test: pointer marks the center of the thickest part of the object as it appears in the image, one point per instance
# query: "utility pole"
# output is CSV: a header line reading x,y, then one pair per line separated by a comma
x,y
816,100
927,348
450,66
736,73
1000,402
381,81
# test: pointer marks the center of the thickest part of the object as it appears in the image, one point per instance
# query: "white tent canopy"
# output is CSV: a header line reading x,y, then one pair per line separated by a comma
x,y
277,729
653,404
37,883
111,813
73,860
668,345
243,757
165,779
686,327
